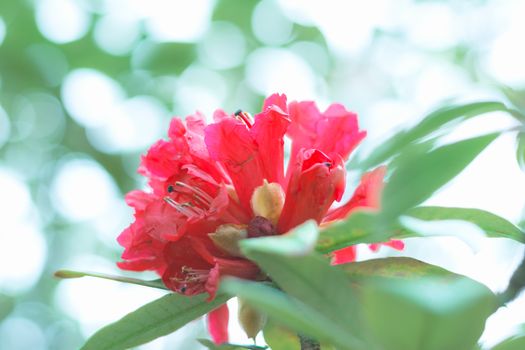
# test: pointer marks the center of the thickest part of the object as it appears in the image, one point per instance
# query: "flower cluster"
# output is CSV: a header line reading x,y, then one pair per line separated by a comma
x,y
213,185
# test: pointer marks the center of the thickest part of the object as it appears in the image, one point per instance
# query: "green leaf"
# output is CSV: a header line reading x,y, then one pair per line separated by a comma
x,y
367,227
417,178
514,343
517,98
492,224
428,125
78,274
520,152
151,321
444,311
394,267
279,337
300,241
311,280
289,311
227,346
360,227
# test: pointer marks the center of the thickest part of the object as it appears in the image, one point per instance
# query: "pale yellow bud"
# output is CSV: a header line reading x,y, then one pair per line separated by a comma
x,y
251,320
227,238
267,201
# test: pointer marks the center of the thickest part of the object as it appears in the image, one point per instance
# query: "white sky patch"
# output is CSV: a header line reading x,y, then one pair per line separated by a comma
x,y
61,21
270,70
223,47
83,190
89,96
177,21
132,125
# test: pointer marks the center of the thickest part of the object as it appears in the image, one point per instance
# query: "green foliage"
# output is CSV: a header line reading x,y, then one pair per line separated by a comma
x,y
514,343
398,267
390,304
491,224
435,121
153,320
520,151
360,227
77,274
279,337
287,310
446,312
366,227
300,241
418,177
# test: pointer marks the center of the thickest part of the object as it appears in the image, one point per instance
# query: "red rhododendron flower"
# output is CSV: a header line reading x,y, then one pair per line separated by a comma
x,y
212,185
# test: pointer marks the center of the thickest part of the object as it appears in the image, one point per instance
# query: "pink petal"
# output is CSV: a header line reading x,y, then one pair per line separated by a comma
x,y
229,141
218,324
334,132
139,199
317,181
394,243
366,195
268,132
276,100
345,255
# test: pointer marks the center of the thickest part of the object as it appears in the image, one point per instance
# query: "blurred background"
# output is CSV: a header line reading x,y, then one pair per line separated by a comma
x,y
87,85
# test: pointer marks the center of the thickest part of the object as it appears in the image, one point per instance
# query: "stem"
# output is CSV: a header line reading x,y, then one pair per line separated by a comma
x,y
516,284
309,344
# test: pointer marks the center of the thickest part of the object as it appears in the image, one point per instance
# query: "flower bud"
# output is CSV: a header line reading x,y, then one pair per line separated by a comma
x,y
268,200
251,320
227,238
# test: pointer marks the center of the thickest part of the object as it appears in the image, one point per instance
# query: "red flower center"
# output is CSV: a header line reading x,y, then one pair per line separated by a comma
x,y
259,227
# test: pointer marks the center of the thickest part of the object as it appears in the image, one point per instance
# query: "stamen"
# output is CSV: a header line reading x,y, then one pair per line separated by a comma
x,y
200,194
245,117
195,275
185,208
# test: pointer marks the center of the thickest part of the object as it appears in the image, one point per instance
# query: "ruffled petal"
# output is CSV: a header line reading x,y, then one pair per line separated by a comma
x,y
141,253
229,141
366,195
218,324
268,132
276,100
345,255
334,132
316,183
